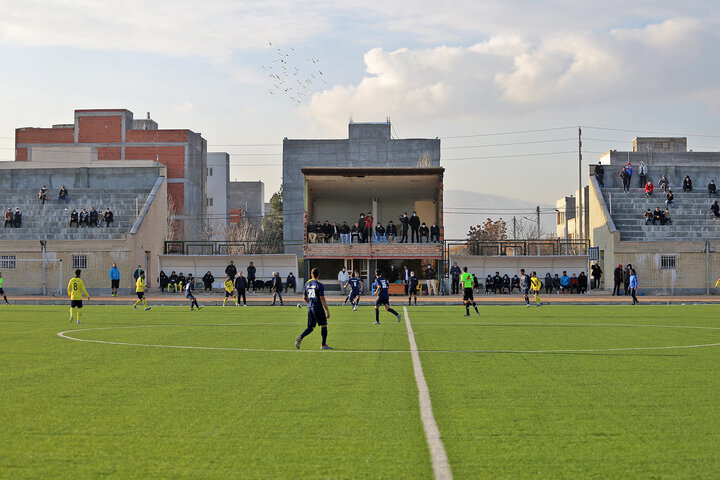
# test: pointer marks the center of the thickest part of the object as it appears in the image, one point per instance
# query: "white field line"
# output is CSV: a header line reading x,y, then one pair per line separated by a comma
x,y
438,456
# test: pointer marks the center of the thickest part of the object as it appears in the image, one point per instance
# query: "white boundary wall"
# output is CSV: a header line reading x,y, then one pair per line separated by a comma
x,y
198,265
484,265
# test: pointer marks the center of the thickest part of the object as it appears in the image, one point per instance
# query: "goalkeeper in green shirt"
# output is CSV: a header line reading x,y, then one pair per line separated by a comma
x,y
2,292
467,282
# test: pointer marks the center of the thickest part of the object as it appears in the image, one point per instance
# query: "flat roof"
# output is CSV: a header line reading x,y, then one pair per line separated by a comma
x,y
377,171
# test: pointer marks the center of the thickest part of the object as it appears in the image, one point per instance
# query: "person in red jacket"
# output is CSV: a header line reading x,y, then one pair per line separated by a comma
x,y
649,187
368,230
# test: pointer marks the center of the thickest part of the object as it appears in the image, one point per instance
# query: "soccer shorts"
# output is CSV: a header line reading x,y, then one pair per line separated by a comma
x,y
75,303
412,290
229,294
115,283
526,291
316,317
382,301
2,292
468,294
140,295
353,296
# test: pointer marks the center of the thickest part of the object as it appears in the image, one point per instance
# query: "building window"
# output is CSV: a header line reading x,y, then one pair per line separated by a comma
x,y
667,262
7,261
209,202
209,172
79,261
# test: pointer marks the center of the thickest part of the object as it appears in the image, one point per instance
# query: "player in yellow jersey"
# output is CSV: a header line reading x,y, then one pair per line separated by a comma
x,y
140,290
76,289
467,281
535,286
229,291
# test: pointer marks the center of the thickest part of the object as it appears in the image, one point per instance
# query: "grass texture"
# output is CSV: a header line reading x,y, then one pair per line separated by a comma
x,y
550,392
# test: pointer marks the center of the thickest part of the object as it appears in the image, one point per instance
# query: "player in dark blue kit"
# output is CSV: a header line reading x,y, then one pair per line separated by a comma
x,y
383,297
317,309
356,286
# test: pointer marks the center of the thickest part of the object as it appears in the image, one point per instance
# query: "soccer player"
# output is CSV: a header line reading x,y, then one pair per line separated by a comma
x,y
383,297
229,291
467,281
140,291
355,284
525,282
317,309
76,289
535,285
412,288
2,292
189,291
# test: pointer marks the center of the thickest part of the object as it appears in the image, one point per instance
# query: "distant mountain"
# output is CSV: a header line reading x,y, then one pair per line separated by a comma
x,y
463,209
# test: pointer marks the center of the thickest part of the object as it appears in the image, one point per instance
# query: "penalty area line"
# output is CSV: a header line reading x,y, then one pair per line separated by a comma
x,y
438,455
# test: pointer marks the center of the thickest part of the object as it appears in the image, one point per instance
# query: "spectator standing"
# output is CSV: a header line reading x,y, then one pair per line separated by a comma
x,y
412,288
241,287
642,173
600,173
231,270
548,283
17,218
367,231
208,279
712,189
629,170
626,278
291,282
633,286
405,222
455,274
596,275
392,274
687,184
669,199
424,233
42,195
343,277
277,288
430,280
114,280
251,270
434,233
663,183
138,271
63,195
361,227
414,223
8,218
406,277
624,180
109,217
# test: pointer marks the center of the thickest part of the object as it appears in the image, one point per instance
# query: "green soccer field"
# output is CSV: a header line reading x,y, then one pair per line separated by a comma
x,y
551,392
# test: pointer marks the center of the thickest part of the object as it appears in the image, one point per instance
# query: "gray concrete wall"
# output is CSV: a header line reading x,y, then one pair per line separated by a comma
x,y
250,196
367,145
701,166
96,177
195,194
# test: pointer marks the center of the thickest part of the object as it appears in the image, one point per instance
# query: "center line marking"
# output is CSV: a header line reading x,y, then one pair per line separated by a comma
x,y
438,456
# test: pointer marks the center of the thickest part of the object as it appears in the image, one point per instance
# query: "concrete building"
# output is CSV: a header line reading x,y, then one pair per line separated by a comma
x,y
567,225
40,256
246,200
217,188
369,145
681,258
98,136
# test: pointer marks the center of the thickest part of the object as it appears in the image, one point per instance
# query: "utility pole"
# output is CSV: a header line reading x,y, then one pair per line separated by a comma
x,y
581,212
514,228
537,211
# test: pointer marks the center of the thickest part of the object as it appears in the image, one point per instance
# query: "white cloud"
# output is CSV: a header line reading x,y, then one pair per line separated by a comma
x,y
510,74
185,107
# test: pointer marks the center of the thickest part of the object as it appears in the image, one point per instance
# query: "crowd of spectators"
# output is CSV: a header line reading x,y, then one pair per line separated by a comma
x,y
504,284
367,230
91,218
175,282
13,219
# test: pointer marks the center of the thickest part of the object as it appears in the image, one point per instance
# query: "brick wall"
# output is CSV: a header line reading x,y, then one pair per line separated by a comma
x,y
21,155
148,136
100,129
172,157
45,135
176,192
372,250
109,153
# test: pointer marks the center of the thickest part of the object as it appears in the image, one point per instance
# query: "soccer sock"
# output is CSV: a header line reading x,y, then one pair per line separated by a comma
x,y
78,314
71,313
6,300
467,309
475,306
409,299
194,302
377,315
144,302
136,303
537,299
323,332
392,311
307,332
527,301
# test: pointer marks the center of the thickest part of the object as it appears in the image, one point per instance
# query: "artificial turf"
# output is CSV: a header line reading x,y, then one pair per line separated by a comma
x,y
517,393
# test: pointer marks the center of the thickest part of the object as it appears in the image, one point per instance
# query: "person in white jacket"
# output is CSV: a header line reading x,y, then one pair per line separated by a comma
x,y
343,277
642,171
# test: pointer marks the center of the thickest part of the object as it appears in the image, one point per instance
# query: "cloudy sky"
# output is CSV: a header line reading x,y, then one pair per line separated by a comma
x,y
504,84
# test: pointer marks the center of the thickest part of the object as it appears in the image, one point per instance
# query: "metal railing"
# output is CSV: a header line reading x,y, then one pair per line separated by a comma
x,y
200,247
540,247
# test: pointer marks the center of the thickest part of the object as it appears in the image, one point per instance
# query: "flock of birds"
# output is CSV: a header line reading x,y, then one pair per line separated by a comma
x,y
293,74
